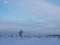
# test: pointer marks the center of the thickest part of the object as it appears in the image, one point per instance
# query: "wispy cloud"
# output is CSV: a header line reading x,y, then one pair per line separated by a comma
x,y
30,25
37,7
45,16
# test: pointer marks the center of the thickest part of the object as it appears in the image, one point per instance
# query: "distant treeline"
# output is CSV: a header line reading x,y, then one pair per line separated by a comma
x,y
35,36
21,35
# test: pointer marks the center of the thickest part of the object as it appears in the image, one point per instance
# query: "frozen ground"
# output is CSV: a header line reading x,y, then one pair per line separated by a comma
x,y
29,41
26,41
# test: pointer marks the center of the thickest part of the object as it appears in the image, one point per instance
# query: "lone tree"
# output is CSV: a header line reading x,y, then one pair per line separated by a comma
x,y
20,33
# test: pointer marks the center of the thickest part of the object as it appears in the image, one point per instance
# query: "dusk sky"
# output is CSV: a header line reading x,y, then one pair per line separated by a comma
x,y
30,15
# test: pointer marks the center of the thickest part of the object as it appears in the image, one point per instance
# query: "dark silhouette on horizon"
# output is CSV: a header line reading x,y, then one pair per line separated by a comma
x,y
20,33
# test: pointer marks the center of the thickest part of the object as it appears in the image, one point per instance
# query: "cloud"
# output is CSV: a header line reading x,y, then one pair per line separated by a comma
x,y
30,25
40,21
50,8
37,7
53,9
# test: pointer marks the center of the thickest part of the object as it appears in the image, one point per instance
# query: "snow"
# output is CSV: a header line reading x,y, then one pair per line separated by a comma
x,y
16,40
29,41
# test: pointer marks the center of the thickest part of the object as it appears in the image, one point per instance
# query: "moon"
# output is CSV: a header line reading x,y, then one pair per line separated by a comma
x,y
5,1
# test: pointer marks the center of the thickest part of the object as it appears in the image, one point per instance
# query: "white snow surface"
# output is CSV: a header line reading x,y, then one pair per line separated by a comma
x,y
29,41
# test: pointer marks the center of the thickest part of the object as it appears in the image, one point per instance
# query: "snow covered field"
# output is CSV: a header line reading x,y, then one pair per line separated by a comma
x,y
7,39
29,41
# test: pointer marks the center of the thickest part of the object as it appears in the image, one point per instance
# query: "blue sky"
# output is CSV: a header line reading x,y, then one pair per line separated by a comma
x,y
30,15
55,2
